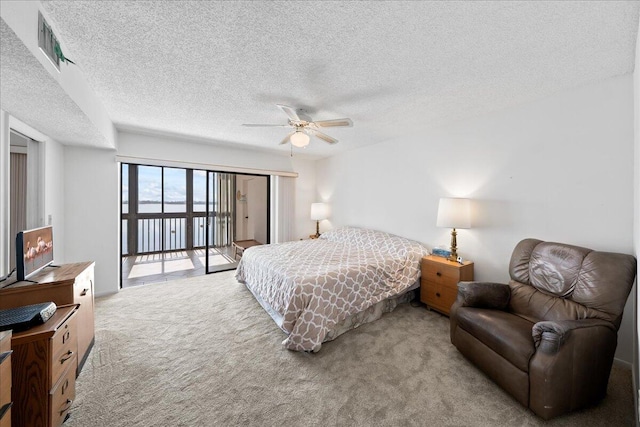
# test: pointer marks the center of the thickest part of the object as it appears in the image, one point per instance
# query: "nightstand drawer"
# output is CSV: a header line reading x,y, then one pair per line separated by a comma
x,y
438,273
438,296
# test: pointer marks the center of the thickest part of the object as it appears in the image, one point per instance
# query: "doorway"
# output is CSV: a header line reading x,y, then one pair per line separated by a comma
x,y
179,222
26,187
239,211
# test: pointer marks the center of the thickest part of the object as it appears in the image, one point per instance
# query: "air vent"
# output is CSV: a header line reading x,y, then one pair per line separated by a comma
x,y
47,41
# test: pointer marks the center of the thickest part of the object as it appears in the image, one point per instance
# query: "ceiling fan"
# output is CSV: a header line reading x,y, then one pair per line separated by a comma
x,y
304,127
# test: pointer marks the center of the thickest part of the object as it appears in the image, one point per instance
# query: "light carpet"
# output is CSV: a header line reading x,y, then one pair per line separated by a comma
x,y
202,352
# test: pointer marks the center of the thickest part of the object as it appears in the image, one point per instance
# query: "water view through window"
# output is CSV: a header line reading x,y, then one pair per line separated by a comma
x,y
164,215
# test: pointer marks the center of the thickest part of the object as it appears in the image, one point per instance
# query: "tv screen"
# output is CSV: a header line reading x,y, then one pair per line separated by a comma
x,y
34,251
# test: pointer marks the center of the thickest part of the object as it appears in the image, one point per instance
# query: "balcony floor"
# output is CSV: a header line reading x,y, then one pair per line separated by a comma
x,y
162,267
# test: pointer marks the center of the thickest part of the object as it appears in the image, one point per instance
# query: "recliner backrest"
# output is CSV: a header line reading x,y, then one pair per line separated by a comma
x,y
554,281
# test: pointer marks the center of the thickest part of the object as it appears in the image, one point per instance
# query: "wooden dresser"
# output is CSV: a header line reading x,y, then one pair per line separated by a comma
x,y
67,284
5,379
439,281
44,364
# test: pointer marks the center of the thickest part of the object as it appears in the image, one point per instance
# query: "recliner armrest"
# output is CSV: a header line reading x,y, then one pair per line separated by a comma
x,y
484,295
548,336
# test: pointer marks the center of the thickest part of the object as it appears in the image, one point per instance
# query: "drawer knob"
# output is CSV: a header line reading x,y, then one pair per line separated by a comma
x,y
66,408
438,274
66,356
84,292
438,294
66,336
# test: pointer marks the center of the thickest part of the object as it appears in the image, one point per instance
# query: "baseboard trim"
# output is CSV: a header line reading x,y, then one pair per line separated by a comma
x,y
623,364
636,394
104,294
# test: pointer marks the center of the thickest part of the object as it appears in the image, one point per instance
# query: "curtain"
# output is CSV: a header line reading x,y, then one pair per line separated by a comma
x,y
284,201
17,200
224,206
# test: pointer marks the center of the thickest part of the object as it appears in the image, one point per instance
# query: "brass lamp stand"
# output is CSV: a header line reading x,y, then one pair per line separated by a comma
x,y
319,211
454,246
315,236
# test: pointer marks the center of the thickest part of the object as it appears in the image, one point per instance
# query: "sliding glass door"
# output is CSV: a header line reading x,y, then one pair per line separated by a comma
x,y
238,211
220,221
178,221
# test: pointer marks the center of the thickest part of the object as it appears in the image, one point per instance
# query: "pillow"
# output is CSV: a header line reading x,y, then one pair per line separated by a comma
x,y
373,239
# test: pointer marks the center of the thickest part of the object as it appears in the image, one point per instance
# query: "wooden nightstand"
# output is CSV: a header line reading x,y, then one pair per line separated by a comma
x,y
439,281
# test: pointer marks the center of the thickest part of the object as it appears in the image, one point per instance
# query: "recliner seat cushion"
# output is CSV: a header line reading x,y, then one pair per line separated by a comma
x,y
505,333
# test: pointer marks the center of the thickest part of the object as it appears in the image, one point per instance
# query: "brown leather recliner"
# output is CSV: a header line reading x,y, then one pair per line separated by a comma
x,y
549,336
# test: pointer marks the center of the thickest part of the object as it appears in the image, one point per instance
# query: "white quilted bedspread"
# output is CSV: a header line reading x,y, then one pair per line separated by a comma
x,y
314,284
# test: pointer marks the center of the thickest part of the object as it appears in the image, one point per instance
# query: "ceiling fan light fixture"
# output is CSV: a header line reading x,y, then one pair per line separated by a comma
x,y
300,139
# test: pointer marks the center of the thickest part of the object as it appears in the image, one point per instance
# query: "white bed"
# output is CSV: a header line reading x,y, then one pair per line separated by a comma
x,y
318,289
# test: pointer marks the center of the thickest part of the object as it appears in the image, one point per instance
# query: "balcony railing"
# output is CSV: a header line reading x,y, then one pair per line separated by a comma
x,y
168,232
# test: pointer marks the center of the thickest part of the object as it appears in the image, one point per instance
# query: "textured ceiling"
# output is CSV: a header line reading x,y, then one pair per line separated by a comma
x,y
202,69
31,95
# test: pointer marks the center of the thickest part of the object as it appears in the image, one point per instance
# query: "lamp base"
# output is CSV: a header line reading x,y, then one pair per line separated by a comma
x,y
454,246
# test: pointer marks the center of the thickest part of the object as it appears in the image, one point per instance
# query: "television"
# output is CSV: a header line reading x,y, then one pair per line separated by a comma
x,y
34,251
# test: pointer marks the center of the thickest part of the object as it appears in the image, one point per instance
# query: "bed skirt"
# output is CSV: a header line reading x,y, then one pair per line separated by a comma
x,y
369,315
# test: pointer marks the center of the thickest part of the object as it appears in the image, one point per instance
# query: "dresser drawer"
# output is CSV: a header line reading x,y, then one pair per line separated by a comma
x,y
5,420
62,395
64,348
5,378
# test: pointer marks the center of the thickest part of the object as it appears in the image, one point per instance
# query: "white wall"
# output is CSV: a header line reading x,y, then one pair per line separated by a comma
x,y
190,151
5,239
54,189
91,213
558,169
257,205
636,215
305,190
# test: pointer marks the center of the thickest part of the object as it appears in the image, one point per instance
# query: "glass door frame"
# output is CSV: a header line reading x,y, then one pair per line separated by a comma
x,y
210,222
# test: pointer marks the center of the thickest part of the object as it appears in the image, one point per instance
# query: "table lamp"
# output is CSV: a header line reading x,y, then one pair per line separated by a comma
x,y
454,213
319,211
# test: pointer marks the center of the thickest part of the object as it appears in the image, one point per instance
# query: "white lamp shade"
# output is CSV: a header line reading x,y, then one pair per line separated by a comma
x,y
319,211
299,139
454,213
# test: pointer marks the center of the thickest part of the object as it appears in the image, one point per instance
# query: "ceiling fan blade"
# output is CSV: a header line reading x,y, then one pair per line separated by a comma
x,y
322,136
289,112
334,123
286,138
253,125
